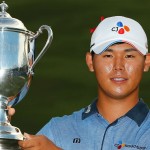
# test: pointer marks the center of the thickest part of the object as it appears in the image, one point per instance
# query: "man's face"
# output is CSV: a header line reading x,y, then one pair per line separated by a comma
x,y
118,70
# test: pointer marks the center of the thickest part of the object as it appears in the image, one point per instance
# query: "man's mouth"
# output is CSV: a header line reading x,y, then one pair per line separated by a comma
x,y
118,79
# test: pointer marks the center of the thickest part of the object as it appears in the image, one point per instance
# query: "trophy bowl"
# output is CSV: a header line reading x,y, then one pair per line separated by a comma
x,y
17,61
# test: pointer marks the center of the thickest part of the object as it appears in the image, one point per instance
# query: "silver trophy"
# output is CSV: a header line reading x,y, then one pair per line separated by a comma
x,y
17,45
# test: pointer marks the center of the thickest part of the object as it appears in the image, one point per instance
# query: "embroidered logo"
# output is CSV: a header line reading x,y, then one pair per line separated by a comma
x,y
120,28
88,109
76,140
121,145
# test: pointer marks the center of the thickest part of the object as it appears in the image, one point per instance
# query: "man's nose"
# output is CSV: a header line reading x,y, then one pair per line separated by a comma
x,y
119,64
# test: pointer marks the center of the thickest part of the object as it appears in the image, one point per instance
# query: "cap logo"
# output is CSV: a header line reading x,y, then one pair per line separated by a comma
x,y
120,28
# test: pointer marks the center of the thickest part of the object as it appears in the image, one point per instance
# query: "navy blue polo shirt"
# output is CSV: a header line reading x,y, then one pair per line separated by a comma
x,y
86,129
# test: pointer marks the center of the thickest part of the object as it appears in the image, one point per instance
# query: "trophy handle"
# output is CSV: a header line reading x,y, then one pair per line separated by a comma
x,y
46,46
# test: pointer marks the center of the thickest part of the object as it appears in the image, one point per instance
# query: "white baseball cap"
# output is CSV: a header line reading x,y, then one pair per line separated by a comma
x,y
118,29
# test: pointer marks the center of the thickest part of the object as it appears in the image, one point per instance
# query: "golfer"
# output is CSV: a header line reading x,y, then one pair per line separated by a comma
x,y
117,118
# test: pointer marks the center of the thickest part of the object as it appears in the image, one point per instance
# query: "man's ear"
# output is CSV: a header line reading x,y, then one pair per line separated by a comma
x,y
89,61
147,63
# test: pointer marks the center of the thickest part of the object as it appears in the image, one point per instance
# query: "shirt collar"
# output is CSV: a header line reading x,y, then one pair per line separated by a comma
x,y
90,110
138,113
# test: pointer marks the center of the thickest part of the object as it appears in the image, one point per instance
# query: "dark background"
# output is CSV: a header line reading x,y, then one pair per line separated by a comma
x,y
62,82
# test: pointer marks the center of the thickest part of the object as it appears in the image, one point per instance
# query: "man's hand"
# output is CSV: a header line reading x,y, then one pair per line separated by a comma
x,y
37,142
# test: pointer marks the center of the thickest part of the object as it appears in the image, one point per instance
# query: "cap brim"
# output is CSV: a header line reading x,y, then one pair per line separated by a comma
x,y
98,48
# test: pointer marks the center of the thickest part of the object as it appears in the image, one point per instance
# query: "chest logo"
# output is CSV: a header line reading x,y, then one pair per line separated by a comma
x,y
121,145
76,140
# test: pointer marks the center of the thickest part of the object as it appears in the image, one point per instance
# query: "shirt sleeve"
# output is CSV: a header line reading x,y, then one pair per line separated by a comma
x,y
48,131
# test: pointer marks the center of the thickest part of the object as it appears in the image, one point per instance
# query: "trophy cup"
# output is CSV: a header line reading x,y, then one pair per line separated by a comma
x,y
17,45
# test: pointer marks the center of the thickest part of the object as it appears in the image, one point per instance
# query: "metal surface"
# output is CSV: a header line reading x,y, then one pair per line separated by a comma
x,y
46,46
6,144
17,46
7,21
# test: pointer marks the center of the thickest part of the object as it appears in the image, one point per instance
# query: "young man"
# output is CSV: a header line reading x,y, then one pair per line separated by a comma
x,y
117,118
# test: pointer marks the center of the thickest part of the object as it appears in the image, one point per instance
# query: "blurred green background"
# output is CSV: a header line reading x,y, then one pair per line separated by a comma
x,y
62,82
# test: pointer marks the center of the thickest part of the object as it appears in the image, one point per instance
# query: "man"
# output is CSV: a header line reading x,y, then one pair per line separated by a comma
x,y
117,118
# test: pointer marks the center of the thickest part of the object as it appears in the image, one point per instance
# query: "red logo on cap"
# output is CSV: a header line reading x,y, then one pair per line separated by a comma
x,y
120,28
93,29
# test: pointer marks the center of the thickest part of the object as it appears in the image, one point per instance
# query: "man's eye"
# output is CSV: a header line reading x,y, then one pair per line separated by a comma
x,y
129,56
108,56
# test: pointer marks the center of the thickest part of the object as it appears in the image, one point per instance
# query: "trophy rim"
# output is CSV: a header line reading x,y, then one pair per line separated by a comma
x,y
17,30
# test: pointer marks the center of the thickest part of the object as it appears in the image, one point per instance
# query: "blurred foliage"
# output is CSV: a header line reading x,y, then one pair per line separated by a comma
x,y
62,82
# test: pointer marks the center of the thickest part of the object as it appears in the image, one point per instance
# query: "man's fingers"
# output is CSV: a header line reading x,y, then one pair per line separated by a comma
x,y
37,142
11,111
26,144
28,136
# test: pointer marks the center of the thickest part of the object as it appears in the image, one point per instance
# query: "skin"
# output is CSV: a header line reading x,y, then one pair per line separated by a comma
x,y
37,142
118,72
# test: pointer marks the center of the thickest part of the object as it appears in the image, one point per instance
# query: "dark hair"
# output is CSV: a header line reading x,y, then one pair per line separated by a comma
x,y
92,53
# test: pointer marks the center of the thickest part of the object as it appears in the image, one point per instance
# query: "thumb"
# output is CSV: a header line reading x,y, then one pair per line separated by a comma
x,y
28,136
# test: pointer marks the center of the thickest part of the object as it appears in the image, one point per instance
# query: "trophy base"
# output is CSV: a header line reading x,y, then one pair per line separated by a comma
x,y
9,144
7,131
9,137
